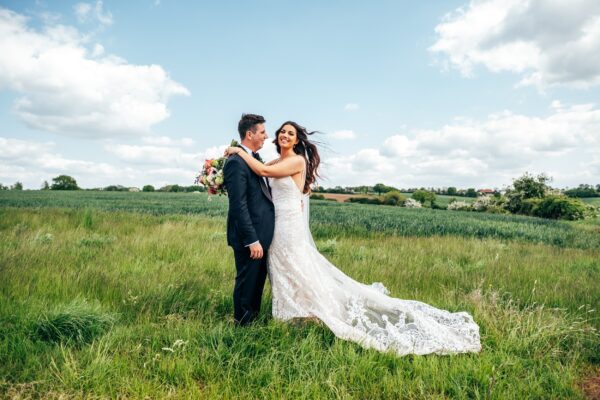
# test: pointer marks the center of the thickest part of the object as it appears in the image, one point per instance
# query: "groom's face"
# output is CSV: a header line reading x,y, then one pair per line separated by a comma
x,y
258,137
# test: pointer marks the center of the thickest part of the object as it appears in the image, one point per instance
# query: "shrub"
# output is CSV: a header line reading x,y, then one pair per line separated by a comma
x,y
365,200
423,196
148,188
412,203
497,209
459,206
528,206
524,192
317,196
393,198
483,203
560,207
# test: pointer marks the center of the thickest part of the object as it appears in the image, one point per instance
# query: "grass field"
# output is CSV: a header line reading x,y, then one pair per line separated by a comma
x,y
129,295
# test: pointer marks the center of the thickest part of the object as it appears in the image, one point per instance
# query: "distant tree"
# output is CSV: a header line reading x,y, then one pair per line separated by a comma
x,y
532,186
172,188
2,187
582,191
64,182
380,188
45,186
451,191
194,188
362,189
423,196
526,193
148,188
394,198
471,192
17,186
116,188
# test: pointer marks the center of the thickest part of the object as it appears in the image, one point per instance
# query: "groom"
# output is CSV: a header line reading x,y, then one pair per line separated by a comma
x,y
250,221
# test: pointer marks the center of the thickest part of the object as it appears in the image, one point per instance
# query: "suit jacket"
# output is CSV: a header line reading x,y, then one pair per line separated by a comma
x,y
251,215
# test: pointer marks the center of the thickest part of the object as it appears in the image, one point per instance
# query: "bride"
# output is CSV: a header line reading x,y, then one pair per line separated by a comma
x,y
306,285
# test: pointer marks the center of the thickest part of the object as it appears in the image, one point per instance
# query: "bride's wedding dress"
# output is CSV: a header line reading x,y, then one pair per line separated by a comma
x,y
304,284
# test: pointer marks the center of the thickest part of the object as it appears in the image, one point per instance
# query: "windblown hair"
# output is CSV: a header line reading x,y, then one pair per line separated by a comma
x,y
305,148
248,122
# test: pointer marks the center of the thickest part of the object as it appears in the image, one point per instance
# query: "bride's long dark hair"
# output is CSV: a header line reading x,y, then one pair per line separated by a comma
x,y
305,148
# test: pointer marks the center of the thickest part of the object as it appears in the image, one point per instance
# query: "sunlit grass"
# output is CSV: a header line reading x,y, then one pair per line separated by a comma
x,y
167,281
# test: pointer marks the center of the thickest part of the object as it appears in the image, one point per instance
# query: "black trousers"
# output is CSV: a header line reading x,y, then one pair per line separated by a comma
x,y
249,285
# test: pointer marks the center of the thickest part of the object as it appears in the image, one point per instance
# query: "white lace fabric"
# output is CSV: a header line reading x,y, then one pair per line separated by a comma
x,y
305,284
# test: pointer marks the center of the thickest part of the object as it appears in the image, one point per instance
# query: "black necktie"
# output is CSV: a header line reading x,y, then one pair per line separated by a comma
x,y
257,156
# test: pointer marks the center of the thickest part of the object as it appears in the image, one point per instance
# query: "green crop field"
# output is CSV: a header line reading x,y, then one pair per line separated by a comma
x,y
592,200
108,294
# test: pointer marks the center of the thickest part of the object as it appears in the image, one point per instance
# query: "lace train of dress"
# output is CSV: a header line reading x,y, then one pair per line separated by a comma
x,y
305,284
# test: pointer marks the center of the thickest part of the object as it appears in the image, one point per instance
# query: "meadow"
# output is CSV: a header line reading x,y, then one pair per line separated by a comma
x,y
128,295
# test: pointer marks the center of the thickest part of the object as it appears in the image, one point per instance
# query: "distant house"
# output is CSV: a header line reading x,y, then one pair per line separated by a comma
x,y
486,191
134,189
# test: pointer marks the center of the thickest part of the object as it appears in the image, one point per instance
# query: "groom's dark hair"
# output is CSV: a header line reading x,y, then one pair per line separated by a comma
x,y
248,122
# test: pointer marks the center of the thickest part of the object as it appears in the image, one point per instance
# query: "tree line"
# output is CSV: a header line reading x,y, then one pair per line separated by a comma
x,y
66,182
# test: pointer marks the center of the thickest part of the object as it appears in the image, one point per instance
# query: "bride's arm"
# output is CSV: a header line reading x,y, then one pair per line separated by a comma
x,y
286,167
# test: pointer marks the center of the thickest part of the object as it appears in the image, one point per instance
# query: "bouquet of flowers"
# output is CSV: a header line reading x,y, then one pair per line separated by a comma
x,y
211,175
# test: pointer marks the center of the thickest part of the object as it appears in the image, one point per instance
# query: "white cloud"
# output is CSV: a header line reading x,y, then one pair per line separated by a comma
x,y
69,90
32,162
168,141
398,145
82,11
546,42
488,152
351,107
343,135
156,155
85,11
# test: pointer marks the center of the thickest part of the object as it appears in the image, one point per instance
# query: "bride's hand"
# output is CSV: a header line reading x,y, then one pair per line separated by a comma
x,y
232,150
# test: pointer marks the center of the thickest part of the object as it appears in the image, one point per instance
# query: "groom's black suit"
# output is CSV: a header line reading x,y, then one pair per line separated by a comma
x,y
251,218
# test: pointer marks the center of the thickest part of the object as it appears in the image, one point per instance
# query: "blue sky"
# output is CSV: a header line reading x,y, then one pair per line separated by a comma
x,y
406,93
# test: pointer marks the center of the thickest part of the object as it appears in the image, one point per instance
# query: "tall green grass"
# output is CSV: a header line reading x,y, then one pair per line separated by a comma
x,y
169,279
328,218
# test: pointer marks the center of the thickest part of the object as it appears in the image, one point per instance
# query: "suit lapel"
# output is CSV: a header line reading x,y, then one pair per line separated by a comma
x,y
265,188
263,182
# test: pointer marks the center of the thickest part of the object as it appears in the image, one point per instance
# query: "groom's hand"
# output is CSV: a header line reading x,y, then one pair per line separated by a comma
x,y
256,251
